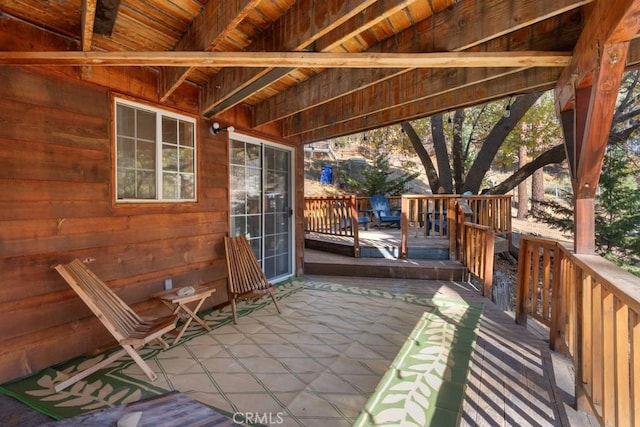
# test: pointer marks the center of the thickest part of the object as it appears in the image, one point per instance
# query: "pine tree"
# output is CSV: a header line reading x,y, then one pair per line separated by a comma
x,y
617,213
618,209
378,179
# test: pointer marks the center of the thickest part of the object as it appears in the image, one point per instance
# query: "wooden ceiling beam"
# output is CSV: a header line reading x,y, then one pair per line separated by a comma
x,y
297,29
207,30
424,83
457,28
86,27
369,17
358,23
530,80
405,89
610,22
292,59
586,95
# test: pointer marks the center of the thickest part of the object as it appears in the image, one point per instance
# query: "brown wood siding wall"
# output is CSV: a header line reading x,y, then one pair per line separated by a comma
x,y
56,203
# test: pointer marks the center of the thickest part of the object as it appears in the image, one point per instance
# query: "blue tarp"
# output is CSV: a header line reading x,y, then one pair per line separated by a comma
x,y
326,177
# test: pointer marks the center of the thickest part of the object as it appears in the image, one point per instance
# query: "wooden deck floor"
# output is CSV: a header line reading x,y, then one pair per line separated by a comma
x,y
514,379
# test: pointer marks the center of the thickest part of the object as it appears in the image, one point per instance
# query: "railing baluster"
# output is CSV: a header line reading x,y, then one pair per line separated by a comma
x,y
635,367
607,354
622,355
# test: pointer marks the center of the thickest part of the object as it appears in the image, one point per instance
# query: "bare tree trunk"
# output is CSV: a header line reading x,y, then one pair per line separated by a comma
x,y
442,157
523,199
555,155
537,191
494,140
423,155
456,151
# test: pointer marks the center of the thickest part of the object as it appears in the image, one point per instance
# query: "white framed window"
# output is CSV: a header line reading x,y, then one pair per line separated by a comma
x,y
155,154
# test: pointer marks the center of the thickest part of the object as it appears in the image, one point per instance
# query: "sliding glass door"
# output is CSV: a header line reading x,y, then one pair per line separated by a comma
x,y
262,201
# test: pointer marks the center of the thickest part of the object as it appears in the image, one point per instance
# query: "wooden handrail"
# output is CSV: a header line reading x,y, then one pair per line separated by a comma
x,y
334,215
592,308
479,246
438,216
425,216
491,210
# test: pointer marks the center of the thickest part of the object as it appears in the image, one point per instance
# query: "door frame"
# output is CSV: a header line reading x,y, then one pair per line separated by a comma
x,y
238,136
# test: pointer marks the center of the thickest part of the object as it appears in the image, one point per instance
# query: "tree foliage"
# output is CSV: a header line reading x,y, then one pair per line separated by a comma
x,y
617,213
378,178
467,144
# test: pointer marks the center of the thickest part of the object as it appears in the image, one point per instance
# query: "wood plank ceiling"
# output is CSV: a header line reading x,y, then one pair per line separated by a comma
x,y
347,65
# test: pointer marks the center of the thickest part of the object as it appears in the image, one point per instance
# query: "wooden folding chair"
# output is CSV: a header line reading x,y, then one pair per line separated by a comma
x,y
246,279
121,321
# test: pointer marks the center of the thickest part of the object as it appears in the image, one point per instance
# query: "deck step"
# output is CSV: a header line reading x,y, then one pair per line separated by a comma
x,y
435,249
323,263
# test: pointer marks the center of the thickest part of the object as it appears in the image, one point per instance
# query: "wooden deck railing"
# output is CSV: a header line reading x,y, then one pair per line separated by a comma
x,y
492,211
478,249
332,216
592,308
536,279
427,215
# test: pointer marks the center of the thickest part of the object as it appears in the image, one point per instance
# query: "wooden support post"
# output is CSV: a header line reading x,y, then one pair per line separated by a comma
x,y
489,260
584,226
353,213
404,226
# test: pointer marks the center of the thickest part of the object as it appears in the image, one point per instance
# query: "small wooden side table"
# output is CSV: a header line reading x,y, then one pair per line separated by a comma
x,y
178,303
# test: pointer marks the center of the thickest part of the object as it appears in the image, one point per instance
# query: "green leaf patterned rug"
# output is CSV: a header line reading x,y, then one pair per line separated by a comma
x,y
318,362
425,384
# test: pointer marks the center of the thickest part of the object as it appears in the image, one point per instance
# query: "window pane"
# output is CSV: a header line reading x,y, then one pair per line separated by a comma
x,y
282,161
238,226
170,187
253,203
253,155
237,177
253,225
126,152
269,158
186,134
253,180
269,224
186,160
238,205
282,264
126,184
269,267
169,157
237,153
126,118
281,203
146,155
187,186
146,185
146,125
269,246
282,223
169,130
255,246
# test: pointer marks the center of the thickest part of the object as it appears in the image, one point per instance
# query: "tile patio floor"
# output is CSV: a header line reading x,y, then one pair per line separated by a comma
x,y
265,365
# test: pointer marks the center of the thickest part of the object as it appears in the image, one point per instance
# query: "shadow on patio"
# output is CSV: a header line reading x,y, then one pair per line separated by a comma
x,y
321,360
